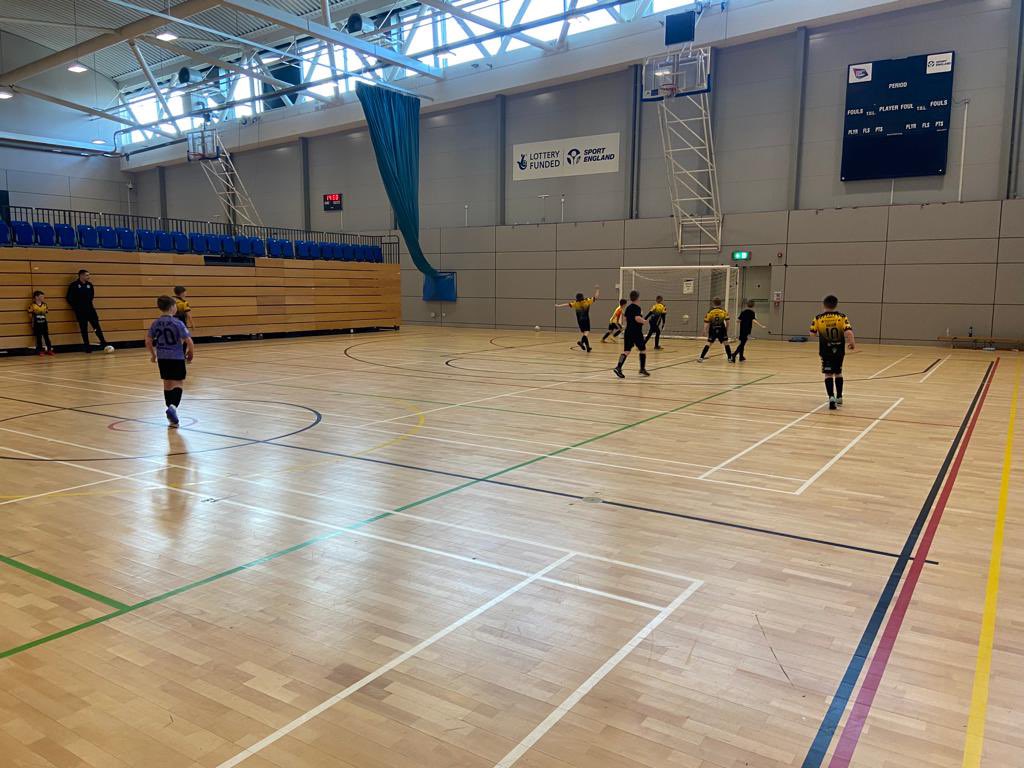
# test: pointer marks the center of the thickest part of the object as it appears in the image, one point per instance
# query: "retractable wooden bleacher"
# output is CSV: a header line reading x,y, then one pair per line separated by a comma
x,y
274,296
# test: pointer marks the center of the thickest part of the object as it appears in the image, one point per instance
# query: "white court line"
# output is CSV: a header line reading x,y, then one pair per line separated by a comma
x,y
762,441
933,370
335,499
324,524
384,669
73,487
828,465
587,685
890,365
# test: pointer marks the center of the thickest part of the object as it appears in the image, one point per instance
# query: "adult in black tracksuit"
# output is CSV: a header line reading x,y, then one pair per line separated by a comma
x,y
80,297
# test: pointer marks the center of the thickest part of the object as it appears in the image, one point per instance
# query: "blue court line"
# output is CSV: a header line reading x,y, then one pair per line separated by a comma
x,y
830,722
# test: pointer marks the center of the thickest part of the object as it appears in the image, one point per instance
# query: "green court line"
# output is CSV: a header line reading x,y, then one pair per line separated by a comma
x,y
69,585
125,609
580,444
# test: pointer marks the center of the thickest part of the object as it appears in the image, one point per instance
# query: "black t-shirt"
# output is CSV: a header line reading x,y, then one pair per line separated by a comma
x,y
631,313
746,322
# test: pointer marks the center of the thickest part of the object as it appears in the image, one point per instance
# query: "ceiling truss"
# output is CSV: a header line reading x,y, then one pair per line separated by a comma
x,y
415,39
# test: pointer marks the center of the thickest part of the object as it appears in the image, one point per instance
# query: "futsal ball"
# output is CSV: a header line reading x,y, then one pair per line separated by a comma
x,y
686,318
108,348
536,327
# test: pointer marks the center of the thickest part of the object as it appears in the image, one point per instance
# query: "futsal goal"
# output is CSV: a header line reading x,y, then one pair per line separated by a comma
x,y
687,292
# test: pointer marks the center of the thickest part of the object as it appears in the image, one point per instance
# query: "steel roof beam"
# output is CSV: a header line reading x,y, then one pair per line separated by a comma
x,y
461,13
93,45
89,110
321,32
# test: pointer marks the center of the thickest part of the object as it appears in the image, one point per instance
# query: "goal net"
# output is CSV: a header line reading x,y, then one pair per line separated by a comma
x,y
687,293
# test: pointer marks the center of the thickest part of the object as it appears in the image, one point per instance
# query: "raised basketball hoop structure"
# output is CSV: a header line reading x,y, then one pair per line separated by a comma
x,y
679,81
204,146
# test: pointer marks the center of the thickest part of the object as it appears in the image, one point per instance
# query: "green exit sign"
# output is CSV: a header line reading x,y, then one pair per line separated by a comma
x,y
741,255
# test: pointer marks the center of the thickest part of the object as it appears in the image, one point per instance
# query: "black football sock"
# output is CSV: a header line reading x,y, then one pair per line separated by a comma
x,y
705,351
728,352
168,397
839,386
605,337
176,393
622,359
830,388
643,361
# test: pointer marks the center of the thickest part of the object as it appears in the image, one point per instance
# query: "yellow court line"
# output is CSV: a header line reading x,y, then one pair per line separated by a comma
x,y
975,739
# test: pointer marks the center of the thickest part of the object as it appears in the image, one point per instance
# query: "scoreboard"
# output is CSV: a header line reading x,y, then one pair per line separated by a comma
x,y
897,117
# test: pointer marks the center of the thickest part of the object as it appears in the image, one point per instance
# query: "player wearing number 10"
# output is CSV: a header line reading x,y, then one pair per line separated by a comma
x,y
169,345
833,331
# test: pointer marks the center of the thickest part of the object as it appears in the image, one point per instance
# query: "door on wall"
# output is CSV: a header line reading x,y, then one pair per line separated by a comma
x,y
756,284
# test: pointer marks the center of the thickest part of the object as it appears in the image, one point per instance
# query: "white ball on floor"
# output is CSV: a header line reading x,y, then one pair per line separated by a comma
x,y
536,327
686,318
108,348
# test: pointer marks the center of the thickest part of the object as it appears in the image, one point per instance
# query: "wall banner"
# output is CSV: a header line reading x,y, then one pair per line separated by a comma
x,y
579,156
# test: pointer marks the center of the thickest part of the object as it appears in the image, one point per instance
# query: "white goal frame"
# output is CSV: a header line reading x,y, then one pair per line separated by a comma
x,y
722,280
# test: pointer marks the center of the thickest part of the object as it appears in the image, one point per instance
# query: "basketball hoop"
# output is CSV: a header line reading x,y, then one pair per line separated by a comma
x,y
668,90
202,145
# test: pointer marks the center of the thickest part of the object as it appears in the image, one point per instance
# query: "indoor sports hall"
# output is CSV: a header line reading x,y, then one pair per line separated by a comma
x,y
493,383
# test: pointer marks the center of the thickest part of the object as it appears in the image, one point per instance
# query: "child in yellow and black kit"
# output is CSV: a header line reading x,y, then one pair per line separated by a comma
x,y
656,316
40,327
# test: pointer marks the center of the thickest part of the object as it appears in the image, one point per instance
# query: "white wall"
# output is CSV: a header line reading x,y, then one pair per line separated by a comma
x,y
44,179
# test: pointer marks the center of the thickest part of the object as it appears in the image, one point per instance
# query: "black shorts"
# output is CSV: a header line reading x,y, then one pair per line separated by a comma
x,y
832,359
584,323
628,342
718,334
613,326
172,370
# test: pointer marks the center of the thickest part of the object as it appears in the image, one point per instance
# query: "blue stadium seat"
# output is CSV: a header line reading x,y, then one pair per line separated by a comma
x,y
180,242
314,249
146,239
164,241
287,251
125,238
44,233
256,246
197,241
5,233
301,249
243,245
22,232
227,245
378,254
337,251
108,237
273,247
65,236
327,251
87,237
346,252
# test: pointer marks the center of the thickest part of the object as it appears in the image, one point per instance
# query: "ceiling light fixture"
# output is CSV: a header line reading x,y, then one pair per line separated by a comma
x,y
77,67
6,93
99,141
167,37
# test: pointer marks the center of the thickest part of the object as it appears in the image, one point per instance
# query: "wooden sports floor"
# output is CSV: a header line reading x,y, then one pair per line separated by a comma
x,y
478,549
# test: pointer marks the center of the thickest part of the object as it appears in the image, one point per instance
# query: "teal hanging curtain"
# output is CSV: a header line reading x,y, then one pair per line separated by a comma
x,y
394,122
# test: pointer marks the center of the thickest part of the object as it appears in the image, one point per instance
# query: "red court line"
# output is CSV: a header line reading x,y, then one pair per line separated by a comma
x,y
866,696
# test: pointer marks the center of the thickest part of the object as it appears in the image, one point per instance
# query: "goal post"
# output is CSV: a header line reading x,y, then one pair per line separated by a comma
x,y
687,292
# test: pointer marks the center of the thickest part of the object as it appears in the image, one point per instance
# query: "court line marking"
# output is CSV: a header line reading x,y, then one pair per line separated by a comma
x,y
834,712
323,706
64,583
876,374
883,652
845,449
69,489
925,378
762,441
974,740
333,526
587,685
